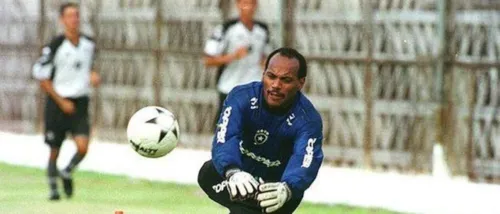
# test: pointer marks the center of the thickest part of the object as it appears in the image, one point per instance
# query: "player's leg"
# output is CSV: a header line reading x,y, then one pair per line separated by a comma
x,y
289,206
80,130
52,174
82,143
215,186
66,173
55,133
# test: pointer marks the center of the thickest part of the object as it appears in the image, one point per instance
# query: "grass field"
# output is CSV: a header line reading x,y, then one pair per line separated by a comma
x,y
24,191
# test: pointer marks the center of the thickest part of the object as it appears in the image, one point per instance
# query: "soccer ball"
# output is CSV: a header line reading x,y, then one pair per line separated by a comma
x,y
153,131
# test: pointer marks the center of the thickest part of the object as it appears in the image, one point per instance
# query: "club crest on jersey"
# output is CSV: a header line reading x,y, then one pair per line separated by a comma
x,y
253,102
260,137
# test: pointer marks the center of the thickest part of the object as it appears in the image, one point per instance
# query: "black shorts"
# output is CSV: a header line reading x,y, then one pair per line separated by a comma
x,y
215,186
58,124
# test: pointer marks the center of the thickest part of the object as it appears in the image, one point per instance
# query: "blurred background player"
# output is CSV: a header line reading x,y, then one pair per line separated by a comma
x,y
238,48
267,130
65,71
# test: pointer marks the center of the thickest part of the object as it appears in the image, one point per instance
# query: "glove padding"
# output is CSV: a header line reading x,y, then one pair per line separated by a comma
x,y
273,196
242,185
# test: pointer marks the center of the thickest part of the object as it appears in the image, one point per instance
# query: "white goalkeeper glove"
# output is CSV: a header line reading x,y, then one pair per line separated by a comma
x,y
242,185
273,196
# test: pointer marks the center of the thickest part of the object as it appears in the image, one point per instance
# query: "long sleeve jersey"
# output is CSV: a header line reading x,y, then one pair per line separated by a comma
x,y
276,147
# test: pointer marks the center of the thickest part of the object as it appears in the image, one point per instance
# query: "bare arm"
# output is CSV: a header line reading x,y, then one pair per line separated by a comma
x,y
225,59
95,78
47,86
218,60
42,71
66,106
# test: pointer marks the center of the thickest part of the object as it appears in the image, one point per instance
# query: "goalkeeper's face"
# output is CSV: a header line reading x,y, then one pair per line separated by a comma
x,y
71,19
281,82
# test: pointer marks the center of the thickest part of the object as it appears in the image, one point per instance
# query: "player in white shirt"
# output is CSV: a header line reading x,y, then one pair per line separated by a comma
x,y
238,48
65,71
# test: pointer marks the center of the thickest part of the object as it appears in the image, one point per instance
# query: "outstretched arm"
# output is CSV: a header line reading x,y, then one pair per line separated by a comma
x,y
226,154
225,145
306,160
300,172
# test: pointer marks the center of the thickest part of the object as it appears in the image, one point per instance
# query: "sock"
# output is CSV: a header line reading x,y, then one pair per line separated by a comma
x,y
72,164
52,174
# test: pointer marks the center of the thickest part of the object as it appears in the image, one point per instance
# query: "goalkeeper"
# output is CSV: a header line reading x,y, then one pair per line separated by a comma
x,y
267,148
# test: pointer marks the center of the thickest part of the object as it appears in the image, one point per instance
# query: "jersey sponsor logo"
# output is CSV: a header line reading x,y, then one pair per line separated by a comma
x,y
220,186
253,103
257,158
260,137
289,119
221,134
306,163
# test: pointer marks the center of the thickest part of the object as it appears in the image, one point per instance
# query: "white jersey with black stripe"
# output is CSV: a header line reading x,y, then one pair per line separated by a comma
x,y
67,65
230,36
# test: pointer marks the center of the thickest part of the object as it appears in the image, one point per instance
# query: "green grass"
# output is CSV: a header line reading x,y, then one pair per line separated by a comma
x,y
23,190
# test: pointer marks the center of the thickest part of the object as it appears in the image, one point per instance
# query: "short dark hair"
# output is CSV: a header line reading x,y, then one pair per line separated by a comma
x,y
291,54
66,5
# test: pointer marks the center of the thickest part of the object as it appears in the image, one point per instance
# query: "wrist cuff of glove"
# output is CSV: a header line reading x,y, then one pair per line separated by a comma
x,y
230,172
288,191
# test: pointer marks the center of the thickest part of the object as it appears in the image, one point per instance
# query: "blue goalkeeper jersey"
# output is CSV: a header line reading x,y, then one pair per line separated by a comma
x,y
276,147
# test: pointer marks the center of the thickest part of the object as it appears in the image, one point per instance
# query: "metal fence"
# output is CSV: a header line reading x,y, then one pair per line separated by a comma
x,y
390,78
